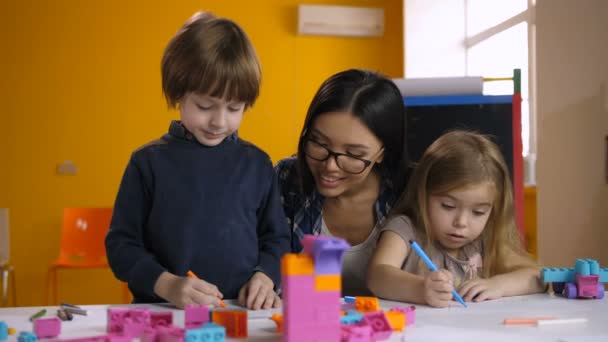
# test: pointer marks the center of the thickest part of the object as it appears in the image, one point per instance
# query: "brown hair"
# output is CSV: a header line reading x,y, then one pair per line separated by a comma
x,y
212,56
459,159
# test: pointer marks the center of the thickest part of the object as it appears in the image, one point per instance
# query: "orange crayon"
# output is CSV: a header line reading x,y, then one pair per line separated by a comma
x,y
524,321
192,275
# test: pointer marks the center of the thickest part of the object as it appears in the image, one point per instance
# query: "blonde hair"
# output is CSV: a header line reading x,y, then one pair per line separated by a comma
x,y
212,56
456,160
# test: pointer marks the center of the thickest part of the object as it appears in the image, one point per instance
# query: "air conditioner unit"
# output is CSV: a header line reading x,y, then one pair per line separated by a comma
x,y
340,21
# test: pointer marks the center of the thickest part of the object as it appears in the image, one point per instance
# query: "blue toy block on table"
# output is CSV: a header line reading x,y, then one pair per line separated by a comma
x,y
26,336
585,280
3,331
209,332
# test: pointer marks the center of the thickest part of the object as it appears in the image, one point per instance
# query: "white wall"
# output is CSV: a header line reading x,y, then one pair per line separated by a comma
x,y
572,75
434,38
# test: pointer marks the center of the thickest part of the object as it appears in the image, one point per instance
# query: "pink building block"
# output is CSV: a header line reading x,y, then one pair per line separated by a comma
x,y
130,322
161,318
381,328
47,327
170,334
309,315
100,338
356,333
408,311
116,317
195,316
149,334
118,338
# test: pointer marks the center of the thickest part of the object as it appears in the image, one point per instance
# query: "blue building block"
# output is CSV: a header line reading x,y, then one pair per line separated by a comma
x,y
349,299
3,331
26,336
209,332
327,254
557,275
582,267
351,317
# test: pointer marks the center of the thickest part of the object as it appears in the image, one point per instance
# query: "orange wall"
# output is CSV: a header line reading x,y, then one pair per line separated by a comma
x,y
81,82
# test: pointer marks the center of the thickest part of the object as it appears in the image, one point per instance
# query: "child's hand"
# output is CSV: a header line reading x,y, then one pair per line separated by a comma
x,y
438,288
478,290
182,291
258,293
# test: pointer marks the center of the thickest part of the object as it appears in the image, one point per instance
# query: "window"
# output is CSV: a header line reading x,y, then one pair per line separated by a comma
x,y
486,38
496,42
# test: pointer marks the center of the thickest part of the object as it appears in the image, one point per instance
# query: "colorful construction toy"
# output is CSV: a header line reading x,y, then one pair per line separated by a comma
x,y
312,307
585,280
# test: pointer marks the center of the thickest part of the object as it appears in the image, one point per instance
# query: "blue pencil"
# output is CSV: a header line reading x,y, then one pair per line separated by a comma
x,y
433,268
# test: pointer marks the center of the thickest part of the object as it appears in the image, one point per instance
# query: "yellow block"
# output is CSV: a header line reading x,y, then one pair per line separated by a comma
x,y
297,264
328,282
396,319
367,304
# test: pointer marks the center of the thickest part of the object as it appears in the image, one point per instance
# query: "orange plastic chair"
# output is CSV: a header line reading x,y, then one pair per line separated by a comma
x,y
82,244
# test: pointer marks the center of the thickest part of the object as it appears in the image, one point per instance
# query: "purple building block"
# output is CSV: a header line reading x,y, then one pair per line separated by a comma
x,y
47,327
326,252
195,316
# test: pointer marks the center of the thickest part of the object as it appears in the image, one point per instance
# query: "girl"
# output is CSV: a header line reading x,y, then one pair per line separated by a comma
x,y
459,207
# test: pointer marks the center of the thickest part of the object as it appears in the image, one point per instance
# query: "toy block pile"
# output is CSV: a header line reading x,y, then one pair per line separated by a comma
x,y
126,324
312,305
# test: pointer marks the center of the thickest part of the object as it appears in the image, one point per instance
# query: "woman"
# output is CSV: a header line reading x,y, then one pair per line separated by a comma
x,y
350,168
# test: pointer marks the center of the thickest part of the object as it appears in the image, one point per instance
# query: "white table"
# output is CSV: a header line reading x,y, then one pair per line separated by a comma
x,y
479,322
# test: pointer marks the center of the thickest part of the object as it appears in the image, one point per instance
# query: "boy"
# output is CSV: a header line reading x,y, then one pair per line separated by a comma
x,y
200,198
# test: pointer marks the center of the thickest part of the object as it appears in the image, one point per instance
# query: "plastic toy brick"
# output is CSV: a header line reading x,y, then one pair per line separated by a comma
x,y
170,334
367,304
47,327
550,275
140,316
195,316
381,328
12,331
26,336
582,266
309,315
297,264
356,333
235,321
161,318
118,338
136,319
116,317
209,332
327,254
349,299
328,282
351,317
278,320
408,311
396,319
3,331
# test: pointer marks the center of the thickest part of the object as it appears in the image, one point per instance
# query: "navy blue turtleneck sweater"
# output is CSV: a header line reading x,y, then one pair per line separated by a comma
x,y
185,206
